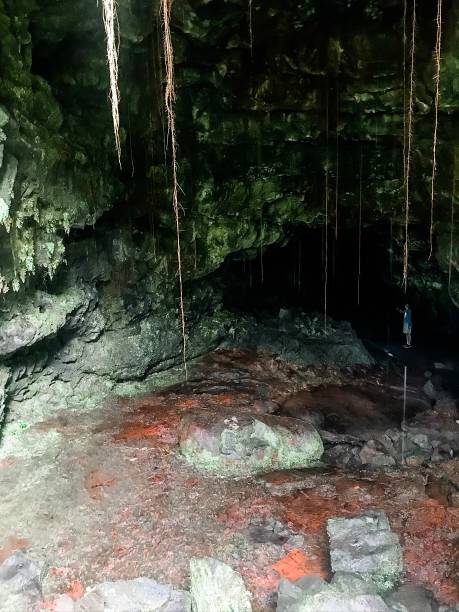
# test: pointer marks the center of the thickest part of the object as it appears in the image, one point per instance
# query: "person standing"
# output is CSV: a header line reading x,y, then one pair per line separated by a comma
x,y
407,325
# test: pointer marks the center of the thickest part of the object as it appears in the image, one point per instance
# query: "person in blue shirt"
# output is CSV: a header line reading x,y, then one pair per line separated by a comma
x,y
407,325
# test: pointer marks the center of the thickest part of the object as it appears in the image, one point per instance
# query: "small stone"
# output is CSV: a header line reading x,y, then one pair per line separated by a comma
x,y
414,461
373,453
217,587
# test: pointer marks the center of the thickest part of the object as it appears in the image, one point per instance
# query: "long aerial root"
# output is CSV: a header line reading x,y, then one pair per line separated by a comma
x,y
251,28
110,18
451,237
409,146
437,60
359,269
170,97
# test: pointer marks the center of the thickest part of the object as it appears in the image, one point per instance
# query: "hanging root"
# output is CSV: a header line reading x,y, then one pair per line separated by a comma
x,y
337,162
251,29
409,143
451,237
110,18
325,263
359,272
170,97
405,8
437,60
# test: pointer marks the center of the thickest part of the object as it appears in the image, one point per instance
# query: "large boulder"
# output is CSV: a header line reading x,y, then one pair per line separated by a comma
x,y
216,586
345,593
231,443
140,595
20,588
365,545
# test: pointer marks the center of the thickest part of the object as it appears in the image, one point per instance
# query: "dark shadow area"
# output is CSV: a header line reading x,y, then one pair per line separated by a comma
x,y
293,275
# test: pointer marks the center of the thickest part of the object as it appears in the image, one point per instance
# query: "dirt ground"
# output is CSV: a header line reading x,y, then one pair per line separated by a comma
x,y
105,495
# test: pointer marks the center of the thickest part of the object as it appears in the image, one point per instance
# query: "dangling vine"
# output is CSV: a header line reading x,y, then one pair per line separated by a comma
x,y
359,269
251,29
325,264
170,98
409,146
451,237
405,42
437,60
337,162
110,18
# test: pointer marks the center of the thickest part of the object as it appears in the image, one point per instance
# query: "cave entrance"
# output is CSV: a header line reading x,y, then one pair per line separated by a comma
x,y
292,276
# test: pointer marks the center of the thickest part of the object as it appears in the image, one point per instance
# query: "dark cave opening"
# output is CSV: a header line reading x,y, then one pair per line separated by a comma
x,y
292,275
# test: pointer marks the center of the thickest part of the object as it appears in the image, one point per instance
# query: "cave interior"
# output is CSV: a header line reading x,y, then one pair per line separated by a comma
x,y
201,398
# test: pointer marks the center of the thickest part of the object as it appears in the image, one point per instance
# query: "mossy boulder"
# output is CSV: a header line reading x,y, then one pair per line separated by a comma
x,y
232,443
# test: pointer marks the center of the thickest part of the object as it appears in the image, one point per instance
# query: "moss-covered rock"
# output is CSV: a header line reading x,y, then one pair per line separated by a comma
x,y
235,444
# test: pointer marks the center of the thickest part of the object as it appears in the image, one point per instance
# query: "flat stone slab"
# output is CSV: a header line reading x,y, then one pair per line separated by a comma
x,y
216,587
231,443
365,545
140,595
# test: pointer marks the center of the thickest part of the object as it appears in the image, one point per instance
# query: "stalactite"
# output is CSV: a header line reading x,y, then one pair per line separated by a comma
x,y
437,61
409,146
359,269
170,98
109,13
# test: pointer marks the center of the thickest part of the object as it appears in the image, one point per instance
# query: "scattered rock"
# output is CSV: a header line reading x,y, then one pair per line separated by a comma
x,y
20,589
217,587
374,454
140,595
231,443
365,545
412,598
345,593
273,532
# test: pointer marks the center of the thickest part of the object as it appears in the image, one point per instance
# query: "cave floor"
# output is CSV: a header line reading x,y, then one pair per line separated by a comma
x,y
104,495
